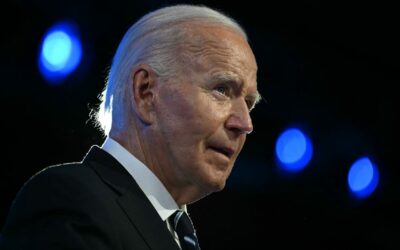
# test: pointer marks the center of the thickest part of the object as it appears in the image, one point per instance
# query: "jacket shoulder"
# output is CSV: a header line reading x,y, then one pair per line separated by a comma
x,y
59,206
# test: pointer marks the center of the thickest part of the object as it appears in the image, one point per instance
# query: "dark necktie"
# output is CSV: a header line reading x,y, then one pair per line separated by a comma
x,y
183,226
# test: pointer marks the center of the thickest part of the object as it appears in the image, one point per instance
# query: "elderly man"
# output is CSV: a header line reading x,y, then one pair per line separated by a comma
x,y
176,111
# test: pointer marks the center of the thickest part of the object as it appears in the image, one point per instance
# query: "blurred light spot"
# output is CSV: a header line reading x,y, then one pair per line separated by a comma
x,y
293,150
60,52
56,51
363,177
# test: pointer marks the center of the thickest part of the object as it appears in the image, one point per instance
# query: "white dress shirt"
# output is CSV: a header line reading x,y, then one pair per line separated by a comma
x,y
151,186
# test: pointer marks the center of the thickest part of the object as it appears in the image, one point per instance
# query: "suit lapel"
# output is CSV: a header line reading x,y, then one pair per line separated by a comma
x,y
132,200
153,229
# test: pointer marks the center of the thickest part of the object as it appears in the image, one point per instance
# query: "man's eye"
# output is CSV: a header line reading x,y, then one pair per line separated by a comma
x,y
222,89
249,104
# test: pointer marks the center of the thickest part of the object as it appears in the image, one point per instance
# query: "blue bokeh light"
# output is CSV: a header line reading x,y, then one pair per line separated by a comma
x,y
60,52
293,150
363,177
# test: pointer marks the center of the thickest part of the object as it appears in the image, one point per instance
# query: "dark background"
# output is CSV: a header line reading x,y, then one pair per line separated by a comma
x,y
328,68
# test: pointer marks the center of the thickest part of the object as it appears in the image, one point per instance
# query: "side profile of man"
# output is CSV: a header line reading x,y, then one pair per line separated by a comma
x,y
176,112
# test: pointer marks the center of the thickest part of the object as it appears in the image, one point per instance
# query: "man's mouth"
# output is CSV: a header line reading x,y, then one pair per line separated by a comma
x,y
228,152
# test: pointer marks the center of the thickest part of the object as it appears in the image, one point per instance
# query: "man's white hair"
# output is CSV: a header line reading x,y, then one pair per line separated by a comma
x,y
153,40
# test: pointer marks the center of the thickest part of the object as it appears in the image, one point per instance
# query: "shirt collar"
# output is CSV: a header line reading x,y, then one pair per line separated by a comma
x,y
152,187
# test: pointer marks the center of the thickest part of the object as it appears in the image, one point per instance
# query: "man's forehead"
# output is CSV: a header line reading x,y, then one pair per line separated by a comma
x,y
211,35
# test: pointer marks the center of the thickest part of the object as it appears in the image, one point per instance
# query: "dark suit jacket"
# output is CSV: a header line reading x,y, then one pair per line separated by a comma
x,y
94,204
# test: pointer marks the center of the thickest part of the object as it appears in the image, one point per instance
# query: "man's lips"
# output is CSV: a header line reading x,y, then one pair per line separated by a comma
x,y
227,151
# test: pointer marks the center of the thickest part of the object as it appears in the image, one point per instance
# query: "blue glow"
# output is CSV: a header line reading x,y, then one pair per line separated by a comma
x,y
293,150
56,50
363,177
60,52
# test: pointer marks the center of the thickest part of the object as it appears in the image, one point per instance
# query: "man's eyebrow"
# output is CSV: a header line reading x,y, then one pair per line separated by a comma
x,y
257,97
225,78
231,78
254,98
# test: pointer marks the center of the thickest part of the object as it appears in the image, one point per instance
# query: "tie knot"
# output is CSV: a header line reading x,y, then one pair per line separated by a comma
x,y
182,223
183,226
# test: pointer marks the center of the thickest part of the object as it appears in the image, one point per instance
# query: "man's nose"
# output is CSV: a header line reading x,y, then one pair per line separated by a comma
x,y
239,120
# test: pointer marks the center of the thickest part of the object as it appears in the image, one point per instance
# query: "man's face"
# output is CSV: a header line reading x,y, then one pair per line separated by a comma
x,y
202,116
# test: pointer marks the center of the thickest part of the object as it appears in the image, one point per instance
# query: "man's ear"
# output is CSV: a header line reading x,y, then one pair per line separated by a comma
x,y
143,90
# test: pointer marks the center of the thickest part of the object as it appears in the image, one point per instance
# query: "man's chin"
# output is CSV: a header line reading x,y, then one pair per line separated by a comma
x,y
217,185
206,187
